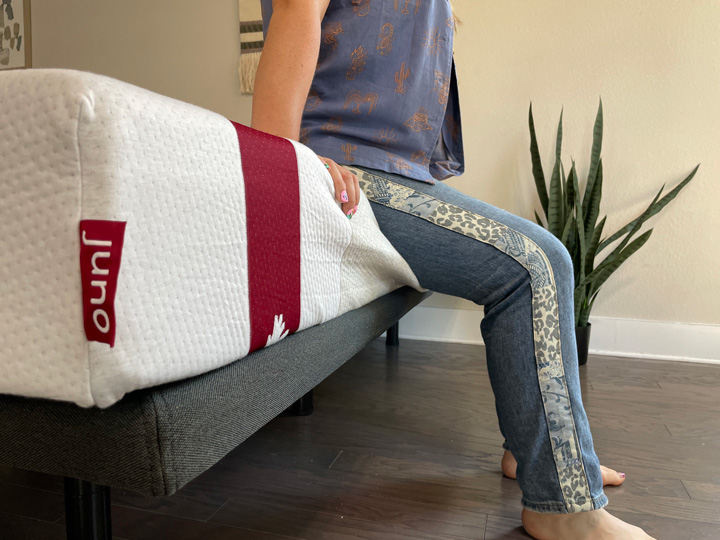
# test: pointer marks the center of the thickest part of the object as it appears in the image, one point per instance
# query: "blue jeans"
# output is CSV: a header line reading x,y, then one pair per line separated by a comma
x,y
523,277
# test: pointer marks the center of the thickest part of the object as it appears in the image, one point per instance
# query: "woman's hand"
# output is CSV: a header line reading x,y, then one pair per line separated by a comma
x,y
347,187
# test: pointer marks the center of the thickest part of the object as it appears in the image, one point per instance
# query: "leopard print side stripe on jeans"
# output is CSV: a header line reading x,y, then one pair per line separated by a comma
x,y
550,370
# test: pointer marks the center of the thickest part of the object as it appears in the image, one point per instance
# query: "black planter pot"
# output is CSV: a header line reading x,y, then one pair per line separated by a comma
x,y
582,336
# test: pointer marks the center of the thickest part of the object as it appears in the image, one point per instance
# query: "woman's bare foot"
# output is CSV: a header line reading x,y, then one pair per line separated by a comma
x,y
610,477
593,525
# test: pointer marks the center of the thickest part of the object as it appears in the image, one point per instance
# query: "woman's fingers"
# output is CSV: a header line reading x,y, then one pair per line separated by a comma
x,y
341,187
357,189
352,188
345,188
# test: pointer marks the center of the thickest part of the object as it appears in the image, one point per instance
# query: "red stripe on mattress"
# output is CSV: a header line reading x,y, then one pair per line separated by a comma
x,y
272,200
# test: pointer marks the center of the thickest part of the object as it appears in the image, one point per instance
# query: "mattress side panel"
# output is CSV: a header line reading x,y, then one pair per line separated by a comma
x,y
173,173
43,352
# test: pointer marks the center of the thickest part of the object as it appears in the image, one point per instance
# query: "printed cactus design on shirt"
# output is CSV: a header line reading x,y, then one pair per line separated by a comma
x,y
331,33
354,96
442,87
399,162
405,10
385,39
357,63
279,331
419,121
400,78
349,149
361,7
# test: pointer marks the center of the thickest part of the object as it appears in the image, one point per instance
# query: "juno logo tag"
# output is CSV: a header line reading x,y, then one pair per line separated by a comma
x,y
101,245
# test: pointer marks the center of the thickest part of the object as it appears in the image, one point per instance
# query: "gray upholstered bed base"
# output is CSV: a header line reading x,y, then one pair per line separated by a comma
x,y
156,440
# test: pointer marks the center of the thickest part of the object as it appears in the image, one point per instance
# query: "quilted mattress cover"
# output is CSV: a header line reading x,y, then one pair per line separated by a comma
x,y
145,240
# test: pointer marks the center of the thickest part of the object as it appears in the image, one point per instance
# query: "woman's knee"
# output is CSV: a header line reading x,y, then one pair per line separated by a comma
x,y
555,251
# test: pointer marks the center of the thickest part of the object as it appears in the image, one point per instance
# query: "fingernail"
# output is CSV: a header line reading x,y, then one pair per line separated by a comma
x,y
622,474
343,196
355,209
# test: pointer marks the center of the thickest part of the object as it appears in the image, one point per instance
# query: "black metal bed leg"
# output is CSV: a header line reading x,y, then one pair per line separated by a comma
x,y
304,405
87,510
393,335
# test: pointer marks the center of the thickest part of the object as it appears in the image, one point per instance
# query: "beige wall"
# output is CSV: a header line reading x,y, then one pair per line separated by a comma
x,y
180,48
654,62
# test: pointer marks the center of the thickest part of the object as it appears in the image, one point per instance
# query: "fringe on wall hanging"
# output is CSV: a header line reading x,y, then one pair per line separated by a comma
x,y
251,44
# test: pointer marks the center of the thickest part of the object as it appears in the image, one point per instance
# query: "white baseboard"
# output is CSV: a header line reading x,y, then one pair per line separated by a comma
x,y
609,336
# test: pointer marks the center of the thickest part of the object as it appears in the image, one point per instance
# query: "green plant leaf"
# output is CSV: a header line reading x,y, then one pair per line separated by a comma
x,y
569,195
594,204
568,230
660,205
620,258
615,252
585,311
592,300
642,219
569,239
610,259
539,221
595,156
592,247
579,300
572,243
566,210
580,222
555,210
538,173
558,139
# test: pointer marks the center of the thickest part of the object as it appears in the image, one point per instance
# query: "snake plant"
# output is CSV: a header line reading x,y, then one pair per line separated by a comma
x,y
573,219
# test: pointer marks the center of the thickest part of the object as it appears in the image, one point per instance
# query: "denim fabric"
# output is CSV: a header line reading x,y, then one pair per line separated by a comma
x,y
522,275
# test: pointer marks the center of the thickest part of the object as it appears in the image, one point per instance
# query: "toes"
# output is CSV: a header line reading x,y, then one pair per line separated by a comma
x,y
611,477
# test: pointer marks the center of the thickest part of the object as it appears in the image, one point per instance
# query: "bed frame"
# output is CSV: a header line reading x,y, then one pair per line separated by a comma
x,y
156,440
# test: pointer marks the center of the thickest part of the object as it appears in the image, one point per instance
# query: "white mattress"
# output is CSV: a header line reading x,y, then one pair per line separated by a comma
x,y
76,147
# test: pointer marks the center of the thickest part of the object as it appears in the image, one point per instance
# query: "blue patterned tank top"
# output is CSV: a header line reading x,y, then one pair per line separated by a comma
x,y
384,94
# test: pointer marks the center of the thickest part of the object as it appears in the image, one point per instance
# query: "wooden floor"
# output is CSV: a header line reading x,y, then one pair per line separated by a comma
x,y
404,444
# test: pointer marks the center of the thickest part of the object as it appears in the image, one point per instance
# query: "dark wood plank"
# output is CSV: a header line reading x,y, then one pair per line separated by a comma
x,y
333,525
500,528
694,433
15,527
134,524
703,491
35,480
413,505
311,490
664,528
31,503
185,504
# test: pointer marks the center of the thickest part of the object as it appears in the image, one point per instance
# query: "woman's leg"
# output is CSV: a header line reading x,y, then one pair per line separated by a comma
x,y
523,276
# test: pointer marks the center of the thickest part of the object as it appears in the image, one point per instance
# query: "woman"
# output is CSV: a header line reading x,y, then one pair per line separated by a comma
x,y
370,86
